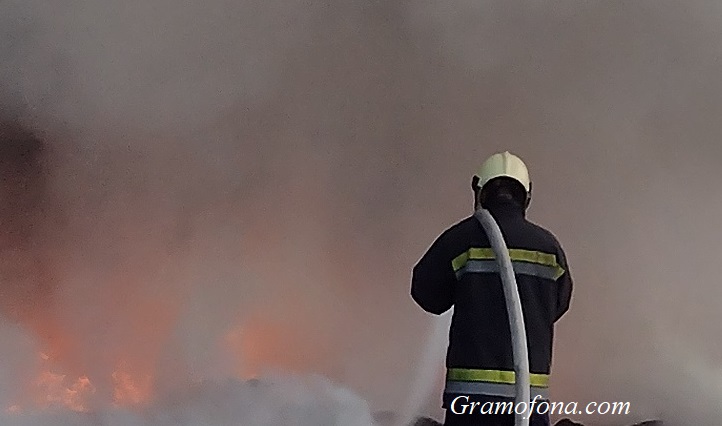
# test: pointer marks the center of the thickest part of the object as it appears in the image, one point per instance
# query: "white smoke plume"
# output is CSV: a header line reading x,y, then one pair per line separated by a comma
x,y
213,188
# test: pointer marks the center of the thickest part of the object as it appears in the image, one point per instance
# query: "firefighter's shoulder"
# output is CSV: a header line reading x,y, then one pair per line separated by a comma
x,y
549,237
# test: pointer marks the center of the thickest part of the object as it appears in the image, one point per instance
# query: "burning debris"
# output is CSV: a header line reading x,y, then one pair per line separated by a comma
x,y
273,400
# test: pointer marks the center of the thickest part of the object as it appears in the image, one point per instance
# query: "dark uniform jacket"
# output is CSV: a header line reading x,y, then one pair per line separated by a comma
x,y
460,270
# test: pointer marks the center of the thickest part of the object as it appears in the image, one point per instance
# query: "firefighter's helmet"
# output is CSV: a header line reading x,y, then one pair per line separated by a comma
x,y
504,164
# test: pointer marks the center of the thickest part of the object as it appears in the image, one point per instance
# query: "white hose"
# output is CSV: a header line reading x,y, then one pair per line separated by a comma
x,y
516,318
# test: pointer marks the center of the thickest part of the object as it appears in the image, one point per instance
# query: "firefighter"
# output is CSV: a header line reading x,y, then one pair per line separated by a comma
x,y
459,269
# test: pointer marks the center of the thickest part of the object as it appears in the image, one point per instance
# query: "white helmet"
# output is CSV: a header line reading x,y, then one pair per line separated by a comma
x,y
504,164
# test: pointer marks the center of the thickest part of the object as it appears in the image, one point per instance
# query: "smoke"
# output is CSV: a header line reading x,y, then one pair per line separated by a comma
x,y
197,190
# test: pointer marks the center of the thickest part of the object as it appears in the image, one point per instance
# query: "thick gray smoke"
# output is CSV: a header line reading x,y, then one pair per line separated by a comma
x,y
193,190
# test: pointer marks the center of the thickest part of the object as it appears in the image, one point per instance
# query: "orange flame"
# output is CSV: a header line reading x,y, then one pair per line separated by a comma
x,y
262,343
130,391
55,391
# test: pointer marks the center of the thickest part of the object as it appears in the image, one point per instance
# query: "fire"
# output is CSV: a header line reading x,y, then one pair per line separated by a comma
x,y
75,370
55,390
76,395
261,343
128,391
259,346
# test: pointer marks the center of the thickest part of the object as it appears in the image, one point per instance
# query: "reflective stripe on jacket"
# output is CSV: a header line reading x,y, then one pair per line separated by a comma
x,y
460,270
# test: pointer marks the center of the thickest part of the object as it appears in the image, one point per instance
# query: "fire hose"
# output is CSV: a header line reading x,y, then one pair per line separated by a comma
x,y
520,350
423,381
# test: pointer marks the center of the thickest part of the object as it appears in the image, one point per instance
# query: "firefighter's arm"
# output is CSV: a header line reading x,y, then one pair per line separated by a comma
x,y
565,285
433,280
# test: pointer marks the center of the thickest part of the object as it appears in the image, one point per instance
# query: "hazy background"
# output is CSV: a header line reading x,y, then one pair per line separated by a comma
x,y
197,189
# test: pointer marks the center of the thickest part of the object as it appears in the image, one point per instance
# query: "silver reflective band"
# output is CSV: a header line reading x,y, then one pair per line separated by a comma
x,y
522,268
491,389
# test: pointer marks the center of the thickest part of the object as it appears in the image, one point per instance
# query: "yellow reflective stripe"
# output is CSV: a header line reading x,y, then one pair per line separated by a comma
x,y
472,253
538,257
520,255
459,261
494,376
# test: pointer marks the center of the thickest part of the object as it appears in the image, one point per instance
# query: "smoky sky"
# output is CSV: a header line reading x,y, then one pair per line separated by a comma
x,y
198,166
